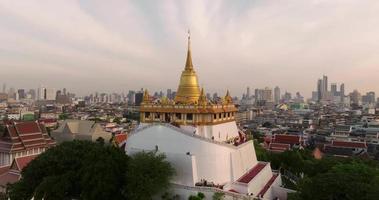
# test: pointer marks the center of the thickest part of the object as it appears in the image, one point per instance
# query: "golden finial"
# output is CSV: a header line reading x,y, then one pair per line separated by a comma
x,y
189,65
202,98
146,96
228,99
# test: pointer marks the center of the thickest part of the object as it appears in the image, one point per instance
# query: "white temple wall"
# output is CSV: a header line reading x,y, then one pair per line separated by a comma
x,y
220,132
212,160
260,180
243,159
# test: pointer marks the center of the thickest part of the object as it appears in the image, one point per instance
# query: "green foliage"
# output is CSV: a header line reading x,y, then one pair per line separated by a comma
x,y
72,170
87,170
148,174
168,196
63,116
199,196
355,180
218,196
117,120
3,196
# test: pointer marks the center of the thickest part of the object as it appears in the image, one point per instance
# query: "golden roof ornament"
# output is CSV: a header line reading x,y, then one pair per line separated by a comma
x,y
146,96
203,99
188,91
228,99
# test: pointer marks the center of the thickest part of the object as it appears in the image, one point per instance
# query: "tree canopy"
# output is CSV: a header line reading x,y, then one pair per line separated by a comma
x,y
355,180
87,170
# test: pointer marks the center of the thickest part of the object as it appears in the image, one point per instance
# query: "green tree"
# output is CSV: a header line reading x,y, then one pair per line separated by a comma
x,y
199,196
92,171
148,174
218,196
355,180
72,170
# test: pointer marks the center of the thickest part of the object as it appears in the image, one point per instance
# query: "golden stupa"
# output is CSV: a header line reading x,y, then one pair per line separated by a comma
x,y
190,106
188,91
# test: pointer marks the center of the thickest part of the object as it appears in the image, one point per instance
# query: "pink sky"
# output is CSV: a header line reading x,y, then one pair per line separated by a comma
x,y
118,45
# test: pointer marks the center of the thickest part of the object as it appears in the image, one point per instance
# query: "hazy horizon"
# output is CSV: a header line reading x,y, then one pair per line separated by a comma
x,y
117,45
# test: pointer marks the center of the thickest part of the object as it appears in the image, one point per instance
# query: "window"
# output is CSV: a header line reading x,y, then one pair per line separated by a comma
x,y
214,116
190,116
147,115
219,115
157,115
178,116
224,115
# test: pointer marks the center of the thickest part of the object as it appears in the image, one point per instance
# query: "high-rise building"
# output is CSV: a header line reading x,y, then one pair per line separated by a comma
x,y
277,94
248,93
169,94
355,98
342,91
263,95
325,84
333,89
138,98
319,90
369,98
4,87
21,94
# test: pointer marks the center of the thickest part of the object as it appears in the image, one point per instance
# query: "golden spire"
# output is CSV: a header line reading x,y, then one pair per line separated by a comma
x,y
228,99
202,99
146,96
188,91
189,65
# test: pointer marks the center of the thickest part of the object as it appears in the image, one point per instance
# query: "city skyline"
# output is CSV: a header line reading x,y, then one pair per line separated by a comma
x,y
117,47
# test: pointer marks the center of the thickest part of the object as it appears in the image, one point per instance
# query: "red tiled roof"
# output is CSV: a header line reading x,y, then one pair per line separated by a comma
x,y
21,136
288,139
246,178
9,177
279,146
27,127
349,144
267,186
22,162
120,138
231,190
4,169
47,120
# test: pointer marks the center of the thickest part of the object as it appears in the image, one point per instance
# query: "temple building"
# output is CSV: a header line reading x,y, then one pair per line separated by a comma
x,y
201,140
191,110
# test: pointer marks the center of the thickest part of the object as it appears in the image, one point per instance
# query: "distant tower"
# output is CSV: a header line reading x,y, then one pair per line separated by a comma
x,y
333,89
342,91
325,84
4,87
248,93
319,90
277,94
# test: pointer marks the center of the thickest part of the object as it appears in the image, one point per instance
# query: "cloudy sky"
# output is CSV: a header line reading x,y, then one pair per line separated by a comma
x,y
117,45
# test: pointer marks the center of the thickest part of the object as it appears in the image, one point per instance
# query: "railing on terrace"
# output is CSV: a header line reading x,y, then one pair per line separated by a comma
x,y
135,131
214,190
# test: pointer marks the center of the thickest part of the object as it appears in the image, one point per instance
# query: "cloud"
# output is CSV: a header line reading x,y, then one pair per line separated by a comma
x,y
119,45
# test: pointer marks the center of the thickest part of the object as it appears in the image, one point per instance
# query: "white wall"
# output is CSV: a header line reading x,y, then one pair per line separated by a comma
x,y
213,161
220,132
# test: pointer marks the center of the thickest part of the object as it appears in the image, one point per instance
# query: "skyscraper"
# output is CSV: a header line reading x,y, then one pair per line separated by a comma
x,y
333,89
319,90
276,94
342,91
4,87
248,93
325,84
